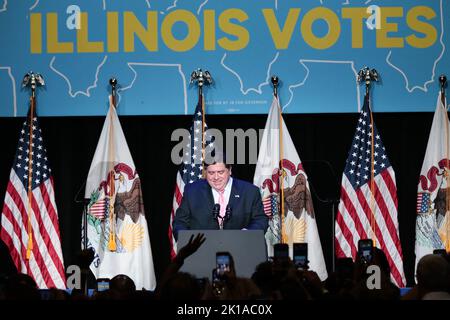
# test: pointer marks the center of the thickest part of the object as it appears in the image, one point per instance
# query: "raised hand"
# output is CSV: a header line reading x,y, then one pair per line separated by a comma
x,y
191,247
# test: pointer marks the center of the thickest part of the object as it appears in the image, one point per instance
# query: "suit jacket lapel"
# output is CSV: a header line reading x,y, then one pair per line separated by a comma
x,y
208,195
234,195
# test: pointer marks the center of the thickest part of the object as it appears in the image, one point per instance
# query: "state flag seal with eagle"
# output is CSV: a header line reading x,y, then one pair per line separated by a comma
x,y
279,174
116,223
433,192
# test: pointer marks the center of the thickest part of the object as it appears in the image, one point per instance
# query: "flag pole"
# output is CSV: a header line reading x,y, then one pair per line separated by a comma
x,y
275,82
112,190
443,84
32,80
202,78
368,76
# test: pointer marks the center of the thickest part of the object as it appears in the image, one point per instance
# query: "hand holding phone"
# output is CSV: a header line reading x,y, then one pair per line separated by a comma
x,y
281,252
218,283
300,255
365,250
215,276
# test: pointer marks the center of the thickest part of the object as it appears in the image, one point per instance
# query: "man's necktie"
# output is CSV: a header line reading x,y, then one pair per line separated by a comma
x,y
222,204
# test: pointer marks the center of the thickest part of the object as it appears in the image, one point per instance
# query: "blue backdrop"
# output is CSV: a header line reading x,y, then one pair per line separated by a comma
x,y
151,47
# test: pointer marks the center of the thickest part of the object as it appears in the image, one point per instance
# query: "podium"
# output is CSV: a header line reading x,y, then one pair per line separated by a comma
x,y
248,248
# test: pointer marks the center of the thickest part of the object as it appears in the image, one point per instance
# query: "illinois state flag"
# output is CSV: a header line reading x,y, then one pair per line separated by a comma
x,y
298,223
117,228
432,221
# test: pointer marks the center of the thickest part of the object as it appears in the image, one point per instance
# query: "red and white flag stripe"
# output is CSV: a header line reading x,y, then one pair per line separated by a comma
x,y
353,221
46,261
177,196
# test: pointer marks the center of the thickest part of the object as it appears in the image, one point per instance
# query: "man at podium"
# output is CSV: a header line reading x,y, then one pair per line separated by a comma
x,y
220,202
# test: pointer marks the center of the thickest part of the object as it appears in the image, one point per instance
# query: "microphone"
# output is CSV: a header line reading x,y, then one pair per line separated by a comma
x,y
216,210
227,213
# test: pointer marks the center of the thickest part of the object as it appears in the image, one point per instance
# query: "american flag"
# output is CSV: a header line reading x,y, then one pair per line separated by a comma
x,y
368,205
192,167
37,218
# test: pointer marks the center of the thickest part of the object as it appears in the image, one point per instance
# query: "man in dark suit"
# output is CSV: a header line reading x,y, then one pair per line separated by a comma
x,y
240,203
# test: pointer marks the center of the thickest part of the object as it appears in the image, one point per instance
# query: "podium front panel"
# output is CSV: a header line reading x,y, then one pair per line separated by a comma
x,y
248,248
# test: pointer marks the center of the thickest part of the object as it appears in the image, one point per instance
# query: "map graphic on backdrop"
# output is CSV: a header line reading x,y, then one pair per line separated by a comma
x,y
152,47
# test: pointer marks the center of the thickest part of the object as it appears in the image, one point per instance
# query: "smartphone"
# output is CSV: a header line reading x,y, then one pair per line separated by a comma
x,y
300,254
223,261
281,251
365,250
102,284
441,252
345,267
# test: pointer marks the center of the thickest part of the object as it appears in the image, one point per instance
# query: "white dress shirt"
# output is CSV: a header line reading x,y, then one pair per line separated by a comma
x,y
226,193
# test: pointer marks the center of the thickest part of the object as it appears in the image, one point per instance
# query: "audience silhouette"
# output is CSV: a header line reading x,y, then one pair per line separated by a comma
x,y
272,280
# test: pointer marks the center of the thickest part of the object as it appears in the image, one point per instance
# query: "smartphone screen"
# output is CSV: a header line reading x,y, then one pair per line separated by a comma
x,y
365,249
222,262
102,284
300,255
281,251
441,252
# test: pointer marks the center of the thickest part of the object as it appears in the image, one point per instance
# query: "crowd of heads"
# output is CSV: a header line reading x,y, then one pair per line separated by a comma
x,y
276,279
